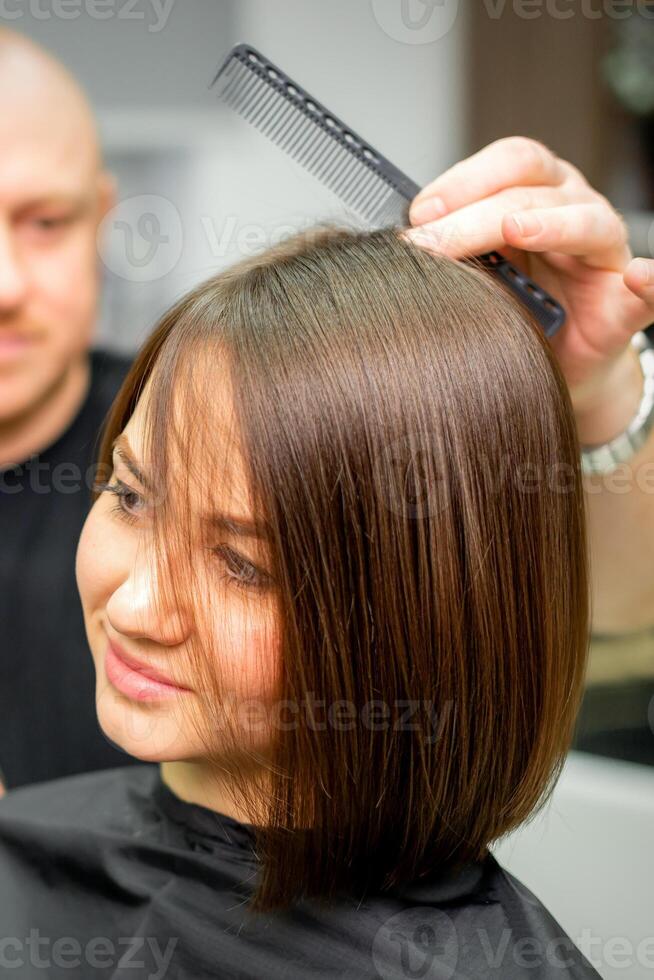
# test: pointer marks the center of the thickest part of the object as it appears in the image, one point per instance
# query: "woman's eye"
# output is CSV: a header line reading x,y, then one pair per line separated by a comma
x,y
129,504
239,570
243,573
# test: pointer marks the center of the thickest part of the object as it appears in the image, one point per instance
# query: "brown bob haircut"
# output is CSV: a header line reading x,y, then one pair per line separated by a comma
x,y
412,455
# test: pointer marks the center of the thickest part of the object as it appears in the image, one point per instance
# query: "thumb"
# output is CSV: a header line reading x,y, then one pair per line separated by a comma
x,y
638,277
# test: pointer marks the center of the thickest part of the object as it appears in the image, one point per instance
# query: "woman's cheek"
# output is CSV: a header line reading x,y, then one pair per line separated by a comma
x,y
93,562
248,651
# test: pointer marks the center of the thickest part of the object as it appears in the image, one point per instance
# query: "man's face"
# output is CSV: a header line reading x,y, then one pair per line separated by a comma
x,y
52,198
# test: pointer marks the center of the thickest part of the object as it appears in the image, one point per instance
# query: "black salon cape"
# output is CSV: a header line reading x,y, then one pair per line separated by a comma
x,y
110,874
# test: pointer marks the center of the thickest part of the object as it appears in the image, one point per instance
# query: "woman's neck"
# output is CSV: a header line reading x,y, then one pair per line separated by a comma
x,y
195,782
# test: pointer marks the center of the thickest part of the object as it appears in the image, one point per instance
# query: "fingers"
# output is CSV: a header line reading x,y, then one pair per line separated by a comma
x,y
639,280
639,277
477,227
505,163
593,232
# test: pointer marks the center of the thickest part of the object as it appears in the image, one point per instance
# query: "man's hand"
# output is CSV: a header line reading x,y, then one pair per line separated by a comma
x,y
517,196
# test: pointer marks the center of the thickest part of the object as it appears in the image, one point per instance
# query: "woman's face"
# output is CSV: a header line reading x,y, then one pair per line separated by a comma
x,y
117,582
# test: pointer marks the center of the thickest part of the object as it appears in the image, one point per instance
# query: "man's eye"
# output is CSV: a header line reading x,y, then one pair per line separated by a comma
x,y
45,224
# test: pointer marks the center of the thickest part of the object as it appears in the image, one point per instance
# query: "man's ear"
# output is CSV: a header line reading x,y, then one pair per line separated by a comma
x,y
107,193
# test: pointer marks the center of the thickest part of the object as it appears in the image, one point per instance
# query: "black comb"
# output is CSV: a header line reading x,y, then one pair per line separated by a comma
x,y
344,162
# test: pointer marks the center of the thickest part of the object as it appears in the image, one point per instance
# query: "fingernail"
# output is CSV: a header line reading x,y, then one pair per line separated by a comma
x,y
528,224
419,237
429,210
643,269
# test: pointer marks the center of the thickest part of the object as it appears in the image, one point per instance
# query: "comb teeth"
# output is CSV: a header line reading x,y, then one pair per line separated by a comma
x,y
358,174
311,136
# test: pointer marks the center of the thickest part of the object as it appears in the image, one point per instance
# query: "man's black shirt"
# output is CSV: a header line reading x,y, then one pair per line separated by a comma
x,y
48,723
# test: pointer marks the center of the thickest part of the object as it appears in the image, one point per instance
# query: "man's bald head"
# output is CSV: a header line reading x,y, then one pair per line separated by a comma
x,y
39,96
53,196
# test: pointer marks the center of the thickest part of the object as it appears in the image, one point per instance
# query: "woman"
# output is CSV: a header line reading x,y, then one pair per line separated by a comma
x,y
335,586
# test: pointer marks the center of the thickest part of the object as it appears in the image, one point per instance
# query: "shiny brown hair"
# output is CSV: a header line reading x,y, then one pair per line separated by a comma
x,y
412,457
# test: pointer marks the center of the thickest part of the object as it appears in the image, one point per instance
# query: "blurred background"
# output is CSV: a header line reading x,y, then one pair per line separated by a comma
x,y
426,82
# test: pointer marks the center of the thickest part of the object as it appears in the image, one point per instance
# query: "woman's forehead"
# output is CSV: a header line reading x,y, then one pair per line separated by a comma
x,y
201,440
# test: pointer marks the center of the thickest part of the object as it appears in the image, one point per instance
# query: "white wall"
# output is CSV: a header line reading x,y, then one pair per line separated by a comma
x,y
588,856
135,58
406,98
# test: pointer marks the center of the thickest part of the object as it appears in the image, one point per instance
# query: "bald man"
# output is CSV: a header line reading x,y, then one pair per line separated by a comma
x,y
54,394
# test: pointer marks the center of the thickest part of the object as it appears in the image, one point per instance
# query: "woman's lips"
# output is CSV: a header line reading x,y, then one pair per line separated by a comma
x,y
134,681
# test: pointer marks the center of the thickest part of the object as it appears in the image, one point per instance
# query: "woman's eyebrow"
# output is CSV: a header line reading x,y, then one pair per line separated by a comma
x,y
238,526
123,449
241,527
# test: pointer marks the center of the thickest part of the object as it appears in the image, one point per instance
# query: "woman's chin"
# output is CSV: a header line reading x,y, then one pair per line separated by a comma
x,y
142,730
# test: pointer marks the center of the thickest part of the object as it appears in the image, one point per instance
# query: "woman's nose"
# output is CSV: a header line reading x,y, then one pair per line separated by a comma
x,y
132,609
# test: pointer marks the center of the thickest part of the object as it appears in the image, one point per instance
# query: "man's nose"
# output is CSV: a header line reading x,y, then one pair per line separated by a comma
x,y
13,280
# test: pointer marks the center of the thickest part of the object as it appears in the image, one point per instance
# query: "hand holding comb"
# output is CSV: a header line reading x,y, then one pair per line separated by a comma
x,y
361,177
